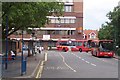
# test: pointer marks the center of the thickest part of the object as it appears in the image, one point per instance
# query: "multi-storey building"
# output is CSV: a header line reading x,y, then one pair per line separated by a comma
x,y
66,27
69,26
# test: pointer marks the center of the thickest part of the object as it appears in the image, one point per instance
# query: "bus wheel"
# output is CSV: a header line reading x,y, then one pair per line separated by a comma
x,y
92,53
97,55
80,50
64,49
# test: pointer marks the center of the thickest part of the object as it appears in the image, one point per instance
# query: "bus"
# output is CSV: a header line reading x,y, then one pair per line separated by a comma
x,y
73,45
102,48
82,45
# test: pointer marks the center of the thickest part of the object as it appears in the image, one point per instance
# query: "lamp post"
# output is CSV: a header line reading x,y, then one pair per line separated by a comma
x,y
33,38
23,60
22,55
6,55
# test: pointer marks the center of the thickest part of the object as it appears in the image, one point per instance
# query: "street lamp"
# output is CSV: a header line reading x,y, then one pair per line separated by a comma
x,y
6,55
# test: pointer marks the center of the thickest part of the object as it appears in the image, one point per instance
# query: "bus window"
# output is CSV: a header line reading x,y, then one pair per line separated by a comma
x,y
79,44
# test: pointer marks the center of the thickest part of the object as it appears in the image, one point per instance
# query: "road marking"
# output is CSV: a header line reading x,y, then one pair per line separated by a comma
x,y
93,64
46,56
87,62
67,64
40,70
84,60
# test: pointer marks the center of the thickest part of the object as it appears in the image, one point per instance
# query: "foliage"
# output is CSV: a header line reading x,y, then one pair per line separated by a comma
x,y
22,15
112,29
118,52
106,32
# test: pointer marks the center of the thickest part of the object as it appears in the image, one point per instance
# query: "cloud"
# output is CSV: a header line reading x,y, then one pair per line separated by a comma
x,y
95,12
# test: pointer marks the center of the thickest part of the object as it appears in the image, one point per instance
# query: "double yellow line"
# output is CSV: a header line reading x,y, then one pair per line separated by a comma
x,y
41,67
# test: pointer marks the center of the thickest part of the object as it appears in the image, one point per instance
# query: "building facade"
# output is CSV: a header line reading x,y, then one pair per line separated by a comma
x,y
90,34
66,27
69,26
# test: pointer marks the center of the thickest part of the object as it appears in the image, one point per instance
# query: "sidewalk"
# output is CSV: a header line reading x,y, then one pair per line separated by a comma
x,y
117,57
14,67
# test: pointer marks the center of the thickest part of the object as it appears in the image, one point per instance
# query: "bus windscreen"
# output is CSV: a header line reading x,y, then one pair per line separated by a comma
x,y
106,46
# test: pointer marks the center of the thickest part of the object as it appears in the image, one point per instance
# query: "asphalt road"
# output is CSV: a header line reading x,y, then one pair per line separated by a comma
x,y
79,65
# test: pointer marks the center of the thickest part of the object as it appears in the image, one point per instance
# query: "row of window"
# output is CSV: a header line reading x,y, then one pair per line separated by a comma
x,y
55,20
57,32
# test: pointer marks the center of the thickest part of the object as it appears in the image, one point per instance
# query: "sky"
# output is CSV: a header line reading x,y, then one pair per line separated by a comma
x,y
94,12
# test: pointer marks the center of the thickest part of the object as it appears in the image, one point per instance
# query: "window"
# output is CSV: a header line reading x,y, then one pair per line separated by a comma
x,y
79,44
57,21
72,21
68,8
48,32
66,20
62,20
52,20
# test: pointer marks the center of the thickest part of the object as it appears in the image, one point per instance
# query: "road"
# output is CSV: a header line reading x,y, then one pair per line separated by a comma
x,y
78,65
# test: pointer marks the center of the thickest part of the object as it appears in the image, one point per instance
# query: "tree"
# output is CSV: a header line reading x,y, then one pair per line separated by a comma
x,y
22,15
112,30
114,17
106,32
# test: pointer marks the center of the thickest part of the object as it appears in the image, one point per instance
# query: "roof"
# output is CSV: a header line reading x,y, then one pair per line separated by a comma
x,y
87,32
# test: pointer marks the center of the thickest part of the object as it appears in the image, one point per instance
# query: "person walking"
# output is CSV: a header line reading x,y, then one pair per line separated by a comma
x,y
13,55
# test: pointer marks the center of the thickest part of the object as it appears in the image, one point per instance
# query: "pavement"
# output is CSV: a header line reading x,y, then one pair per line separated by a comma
x,y
117,57
14,66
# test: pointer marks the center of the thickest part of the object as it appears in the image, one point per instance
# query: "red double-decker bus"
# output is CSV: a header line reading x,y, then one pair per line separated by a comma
x,y
73,45
101,48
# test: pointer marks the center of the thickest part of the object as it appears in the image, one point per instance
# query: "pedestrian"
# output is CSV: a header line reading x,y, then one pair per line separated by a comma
x,y
40,49
13,55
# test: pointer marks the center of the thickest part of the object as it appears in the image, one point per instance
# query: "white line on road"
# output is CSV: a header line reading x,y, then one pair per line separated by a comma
x,y
67,64
87,62
46,56
83,59
93,64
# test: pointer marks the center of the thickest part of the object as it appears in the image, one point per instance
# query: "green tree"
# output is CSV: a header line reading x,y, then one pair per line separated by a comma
x,y
27,14
112,29
106,32
114,17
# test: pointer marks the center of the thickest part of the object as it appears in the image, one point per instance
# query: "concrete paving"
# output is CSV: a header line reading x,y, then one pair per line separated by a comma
x,y
14,66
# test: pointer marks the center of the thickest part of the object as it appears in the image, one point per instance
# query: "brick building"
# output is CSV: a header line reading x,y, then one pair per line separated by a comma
x,y
66,27
90,34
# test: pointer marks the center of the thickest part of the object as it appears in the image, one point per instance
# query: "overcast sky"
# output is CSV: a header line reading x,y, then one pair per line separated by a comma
x,y
95,12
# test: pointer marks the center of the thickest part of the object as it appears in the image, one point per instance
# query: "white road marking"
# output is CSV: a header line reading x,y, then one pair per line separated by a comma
x,y
46,56
87,62
84,60
93,64
67,64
